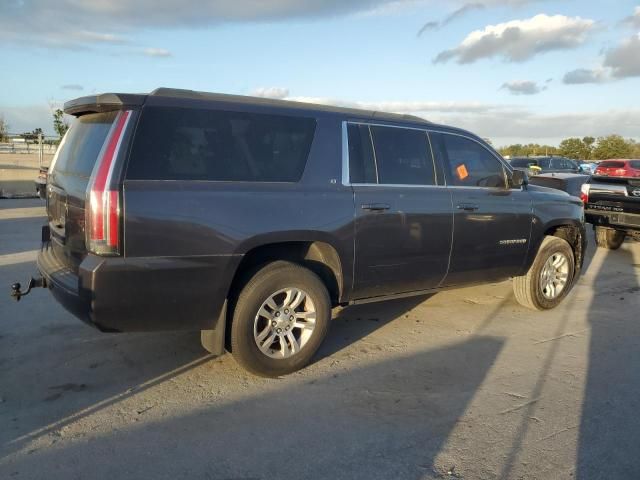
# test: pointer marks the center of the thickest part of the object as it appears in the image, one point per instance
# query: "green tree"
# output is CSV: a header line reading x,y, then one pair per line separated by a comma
x,y
635,149
589,141
4,129
60,125
612,146
32,136
574,148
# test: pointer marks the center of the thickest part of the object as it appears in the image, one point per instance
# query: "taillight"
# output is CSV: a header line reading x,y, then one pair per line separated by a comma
x,y
102,225
584,193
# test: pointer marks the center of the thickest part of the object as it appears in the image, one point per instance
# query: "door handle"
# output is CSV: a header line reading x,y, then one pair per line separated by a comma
x,y
375,207
467,207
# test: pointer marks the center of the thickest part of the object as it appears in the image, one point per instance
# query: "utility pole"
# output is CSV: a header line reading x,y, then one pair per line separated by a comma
x,y
40,151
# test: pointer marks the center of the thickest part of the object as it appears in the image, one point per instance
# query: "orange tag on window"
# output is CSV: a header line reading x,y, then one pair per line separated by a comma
x,y
461,170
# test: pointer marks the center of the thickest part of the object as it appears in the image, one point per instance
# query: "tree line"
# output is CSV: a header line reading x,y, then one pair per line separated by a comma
x,y
586,148
60,125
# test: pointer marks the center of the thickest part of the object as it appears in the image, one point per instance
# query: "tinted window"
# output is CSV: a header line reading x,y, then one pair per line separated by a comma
x,y
611,164
361,165
544,163
402,156
189,144
635,164
472,165
82,144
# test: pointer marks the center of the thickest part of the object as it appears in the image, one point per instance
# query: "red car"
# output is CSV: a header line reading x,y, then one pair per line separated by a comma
x,y
618,168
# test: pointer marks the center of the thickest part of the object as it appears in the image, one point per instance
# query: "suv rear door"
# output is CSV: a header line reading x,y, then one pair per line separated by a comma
x,y
404,217
67,185
492,223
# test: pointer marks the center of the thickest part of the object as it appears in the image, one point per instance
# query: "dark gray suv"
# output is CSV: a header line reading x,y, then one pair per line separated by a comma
x,y
249,219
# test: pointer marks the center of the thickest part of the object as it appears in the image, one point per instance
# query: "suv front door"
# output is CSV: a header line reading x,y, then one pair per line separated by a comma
x,y
492,222
404,218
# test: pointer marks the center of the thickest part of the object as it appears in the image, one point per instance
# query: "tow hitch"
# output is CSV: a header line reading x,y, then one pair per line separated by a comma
x,y
33,283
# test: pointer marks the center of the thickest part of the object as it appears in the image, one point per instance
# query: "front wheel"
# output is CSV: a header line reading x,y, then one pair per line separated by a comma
x,y
280,319
609,238
550,277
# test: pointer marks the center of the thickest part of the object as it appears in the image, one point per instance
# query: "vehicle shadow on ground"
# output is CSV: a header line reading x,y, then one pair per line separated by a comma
x,y
355,322
386,419
609,438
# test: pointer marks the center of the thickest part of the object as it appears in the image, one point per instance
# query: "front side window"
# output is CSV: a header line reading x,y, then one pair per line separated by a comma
x,y
470,164
403,156
191,144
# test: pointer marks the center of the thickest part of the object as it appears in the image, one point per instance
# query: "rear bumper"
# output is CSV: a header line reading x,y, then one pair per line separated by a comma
x,y
142,294
622,221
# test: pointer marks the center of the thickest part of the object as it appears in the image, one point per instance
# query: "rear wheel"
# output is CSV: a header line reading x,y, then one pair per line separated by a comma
x,y
550,277
280,319
609,238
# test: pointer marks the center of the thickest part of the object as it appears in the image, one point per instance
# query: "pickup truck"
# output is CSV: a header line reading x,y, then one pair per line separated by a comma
x,y
612,206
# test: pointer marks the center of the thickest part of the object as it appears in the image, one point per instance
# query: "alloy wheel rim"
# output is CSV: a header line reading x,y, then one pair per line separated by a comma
x,y
284,323
554,276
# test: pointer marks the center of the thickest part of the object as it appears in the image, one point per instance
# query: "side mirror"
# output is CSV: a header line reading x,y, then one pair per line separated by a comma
x,y
519,178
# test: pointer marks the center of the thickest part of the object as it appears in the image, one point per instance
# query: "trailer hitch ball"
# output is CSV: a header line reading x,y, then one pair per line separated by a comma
x,y
17,293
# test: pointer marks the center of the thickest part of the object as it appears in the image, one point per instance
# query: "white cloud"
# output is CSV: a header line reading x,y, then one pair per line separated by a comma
x,y
72,86
522,126
624,60
522,87
270,92
156,52
50,24
459,12
584,75
519,40
634,20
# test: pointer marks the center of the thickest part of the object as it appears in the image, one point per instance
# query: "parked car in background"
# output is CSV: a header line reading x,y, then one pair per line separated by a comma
x,y
612,206
547,164
41,182
618,168
588,167
250,218
567,182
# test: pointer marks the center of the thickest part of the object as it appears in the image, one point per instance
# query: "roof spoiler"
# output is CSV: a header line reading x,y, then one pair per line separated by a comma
x,y
103,102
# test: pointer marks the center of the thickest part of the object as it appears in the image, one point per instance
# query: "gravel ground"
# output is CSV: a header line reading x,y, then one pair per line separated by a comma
x,y
462,384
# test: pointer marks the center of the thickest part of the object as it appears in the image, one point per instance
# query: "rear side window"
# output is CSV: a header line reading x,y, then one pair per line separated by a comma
x,y
635,164
362,168
190,144
82,144
402,156
470,164
544,163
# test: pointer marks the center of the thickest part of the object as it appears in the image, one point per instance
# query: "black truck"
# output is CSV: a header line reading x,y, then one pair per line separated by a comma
x,y
249,219
612,206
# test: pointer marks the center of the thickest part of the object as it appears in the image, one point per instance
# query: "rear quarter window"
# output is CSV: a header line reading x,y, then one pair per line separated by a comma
x,y
214,145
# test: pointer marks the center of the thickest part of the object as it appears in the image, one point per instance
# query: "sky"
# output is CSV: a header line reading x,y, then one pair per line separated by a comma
x,y
512,71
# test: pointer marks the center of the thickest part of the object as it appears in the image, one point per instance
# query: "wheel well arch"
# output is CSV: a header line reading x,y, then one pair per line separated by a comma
x,y
320,257
574,236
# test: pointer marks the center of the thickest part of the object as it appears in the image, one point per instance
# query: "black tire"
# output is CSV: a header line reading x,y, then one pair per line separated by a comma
x,y
528,288
609,238
264,283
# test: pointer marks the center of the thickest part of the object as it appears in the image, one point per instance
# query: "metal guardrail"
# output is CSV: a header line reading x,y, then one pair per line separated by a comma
x,y
39,145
